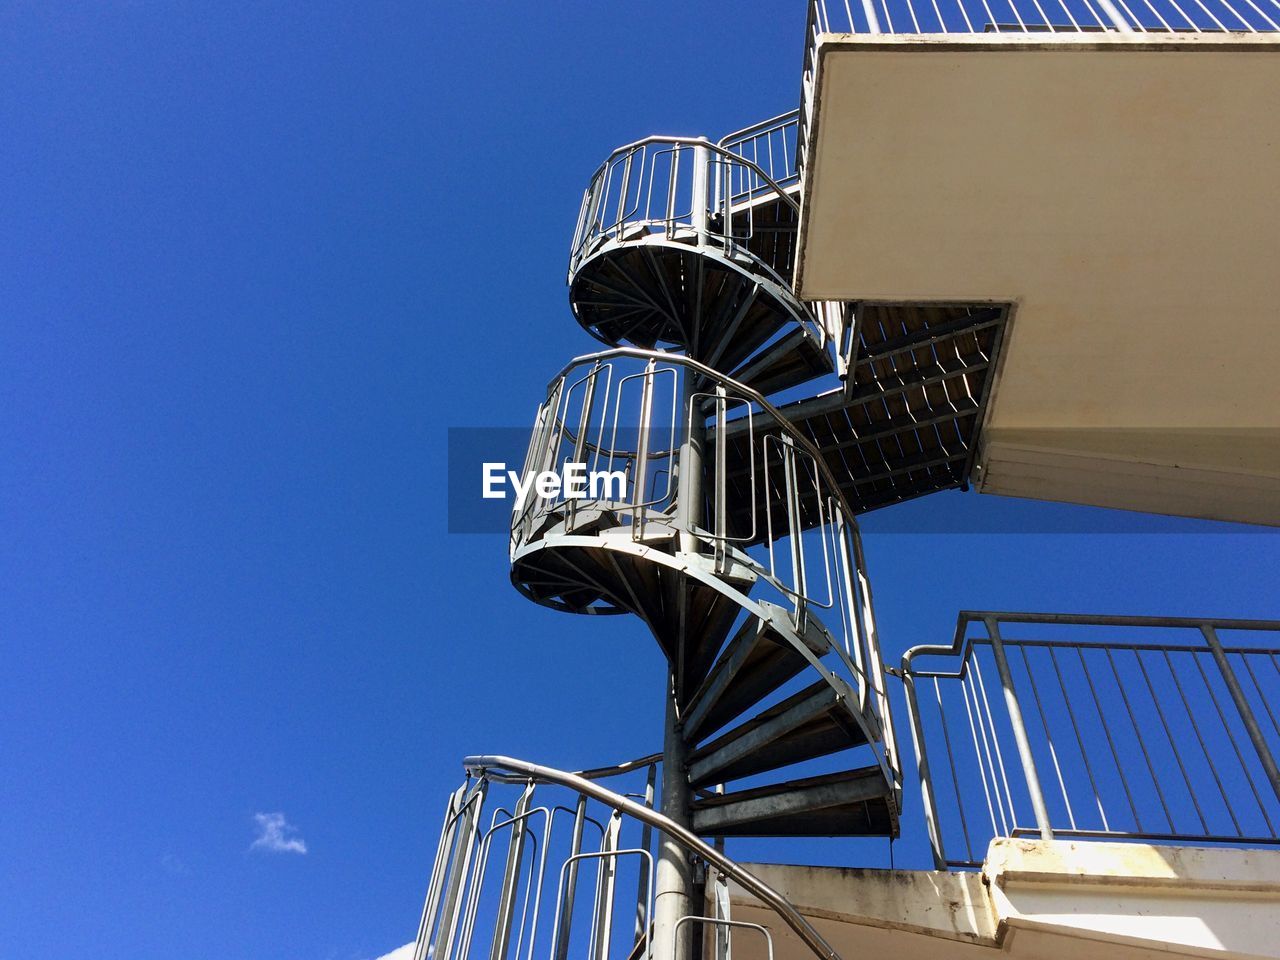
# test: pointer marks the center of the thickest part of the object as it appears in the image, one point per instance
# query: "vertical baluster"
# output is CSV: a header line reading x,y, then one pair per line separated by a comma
x,y
638,488
563,926
1195,726
455,886
1084,753
1048,736
1106,729
1177,754
982,752
511,879
1142,743
439,870
998,766
646,842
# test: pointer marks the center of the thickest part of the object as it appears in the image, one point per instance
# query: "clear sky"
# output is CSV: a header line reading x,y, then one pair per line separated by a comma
x,y
255,259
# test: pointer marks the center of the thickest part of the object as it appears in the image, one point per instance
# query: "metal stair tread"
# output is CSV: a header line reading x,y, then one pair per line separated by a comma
x,y
848,803
814,722
757,661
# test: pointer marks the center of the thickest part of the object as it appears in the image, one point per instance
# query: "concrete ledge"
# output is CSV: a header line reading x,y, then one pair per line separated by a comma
x,y
1037,900
1199,901
953,906
1230,871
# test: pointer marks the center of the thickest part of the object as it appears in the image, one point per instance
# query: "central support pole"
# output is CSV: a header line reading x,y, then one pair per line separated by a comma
x,y
674,877
674,880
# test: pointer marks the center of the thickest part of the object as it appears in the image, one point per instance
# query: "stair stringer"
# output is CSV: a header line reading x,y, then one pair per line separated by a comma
x,y
694,568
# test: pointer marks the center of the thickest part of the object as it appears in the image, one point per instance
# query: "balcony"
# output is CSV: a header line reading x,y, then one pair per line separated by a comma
x,y
1103,170
1091,785
1154,729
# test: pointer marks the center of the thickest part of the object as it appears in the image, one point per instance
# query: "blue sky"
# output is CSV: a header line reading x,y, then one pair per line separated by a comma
x,y
254,261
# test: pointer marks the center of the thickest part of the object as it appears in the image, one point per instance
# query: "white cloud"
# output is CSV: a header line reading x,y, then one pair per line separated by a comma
x,y
173,864
276,835
399,953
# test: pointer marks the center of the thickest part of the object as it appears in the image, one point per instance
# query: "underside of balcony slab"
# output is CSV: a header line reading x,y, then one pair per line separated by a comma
x,y
1119,193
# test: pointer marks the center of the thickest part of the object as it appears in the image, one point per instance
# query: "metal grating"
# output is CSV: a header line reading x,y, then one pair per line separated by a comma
x,y
907,421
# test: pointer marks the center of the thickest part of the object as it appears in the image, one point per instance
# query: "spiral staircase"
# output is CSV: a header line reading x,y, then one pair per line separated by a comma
x,y
748,573
723,445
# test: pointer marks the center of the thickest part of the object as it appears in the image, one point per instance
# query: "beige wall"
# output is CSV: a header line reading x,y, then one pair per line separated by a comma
x,y
1125,195
1034,900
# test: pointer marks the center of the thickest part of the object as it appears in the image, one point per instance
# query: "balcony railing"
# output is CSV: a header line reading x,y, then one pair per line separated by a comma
x,y
1135,728
1038,17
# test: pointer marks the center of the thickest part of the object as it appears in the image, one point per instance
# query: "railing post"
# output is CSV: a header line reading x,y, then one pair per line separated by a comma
x,y
873,21
511,879
564,909
602,926
646,841
922,768
1019,731
1113,14
1242,706
875,665
701,192
692,445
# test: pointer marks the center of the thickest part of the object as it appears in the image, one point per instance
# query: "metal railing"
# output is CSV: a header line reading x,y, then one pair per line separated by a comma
x,y
736,197
691,190
770,145
769,503
565,867
1039,17
1073,726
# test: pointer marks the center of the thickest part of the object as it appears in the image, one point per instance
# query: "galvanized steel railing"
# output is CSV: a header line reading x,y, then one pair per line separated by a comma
x,y
566,869
770,145
1040,17
1144,728
768,503
682,189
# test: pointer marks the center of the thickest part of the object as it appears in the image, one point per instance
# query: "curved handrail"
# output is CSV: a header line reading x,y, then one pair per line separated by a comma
x,y
746,133
618,769
701,142
847,591
752,394
521,770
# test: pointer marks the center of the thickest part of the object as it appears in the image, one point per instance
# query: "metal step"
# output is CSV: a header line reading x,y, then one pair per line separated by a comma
x,y
721,310
852,803
757,661
791,360
907,422
688,617
770,227
815,722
